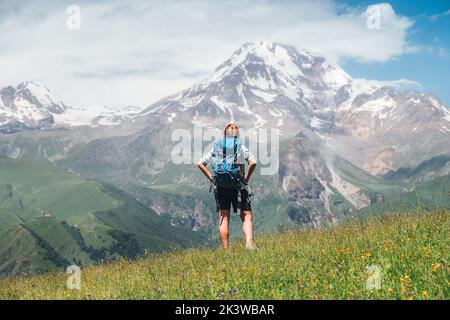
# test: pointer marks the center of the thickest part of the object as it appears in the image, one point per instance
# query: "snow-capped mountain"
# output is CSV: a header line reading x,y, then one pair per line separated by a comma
x,y
390,129
30,106
27,106
262,83
271,85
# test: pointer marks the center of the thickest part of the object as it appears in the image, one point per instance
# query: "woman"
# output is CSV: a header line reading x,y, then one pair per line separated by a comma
x,y
227,196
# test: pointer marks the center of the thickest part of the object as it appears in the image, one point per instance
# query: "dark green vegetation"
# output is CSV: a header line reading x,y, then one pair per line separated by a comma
x,y
50,219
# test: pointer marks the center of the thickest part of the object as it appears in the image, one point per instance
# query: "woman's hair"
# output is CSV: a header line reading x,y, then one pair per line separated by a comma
x,y
229,126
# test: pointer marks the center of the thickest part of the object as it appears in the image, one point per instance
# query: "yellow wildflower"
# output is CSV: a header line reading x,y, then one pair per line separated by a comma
x,y
436,266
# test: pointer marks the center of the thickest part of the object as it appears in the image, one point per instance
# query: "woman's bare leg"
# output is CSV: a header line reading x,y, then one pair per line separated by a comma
x,y
247,228
224,221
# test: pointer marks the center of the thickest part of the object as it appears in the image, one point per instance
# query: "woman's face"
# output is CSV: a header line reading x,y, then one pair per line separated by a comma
x,y
232,131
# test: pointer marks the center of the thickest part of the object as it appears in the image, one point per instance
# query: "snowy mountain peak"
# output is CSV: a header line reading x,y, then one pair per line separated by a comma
x,y
267,84
39,91
27,106
262,80
30,95
270,65
33,86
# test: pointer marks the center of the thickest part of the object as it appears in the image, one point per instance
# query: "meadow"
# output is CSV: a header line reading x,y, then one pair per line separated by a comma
x,y
410,251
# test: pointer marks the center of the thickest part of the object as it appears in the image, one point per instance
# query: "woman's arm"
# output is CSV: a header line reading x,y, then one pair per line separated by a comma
x,y
251,168
202,164
251,160
203,169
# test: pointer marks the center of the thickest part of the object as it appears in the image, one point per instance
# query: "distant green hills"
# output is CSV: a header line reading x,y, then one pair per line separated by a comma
x,y
427,170
428,196
50,219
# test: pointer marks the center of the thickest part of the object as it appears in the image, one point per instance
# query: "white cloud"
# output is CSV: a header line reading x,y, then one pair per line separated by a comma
x,y
134,53
401,84
440,15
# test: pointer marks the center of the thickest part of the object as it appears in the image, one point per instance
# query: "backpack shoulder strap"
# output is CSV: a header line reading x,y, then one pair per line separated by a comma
x,y
214,160
224,147
235,149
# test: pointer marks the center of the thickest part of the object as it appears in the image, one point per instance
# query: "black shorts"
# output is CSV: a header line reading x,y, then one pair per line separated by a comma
x,y
225,197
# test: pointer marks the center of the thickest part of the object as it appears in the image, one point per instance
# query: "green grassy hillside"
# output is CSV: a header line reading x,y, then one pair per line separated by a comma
x,y
428,196
30,188
410,251
370,185
50,218
426,170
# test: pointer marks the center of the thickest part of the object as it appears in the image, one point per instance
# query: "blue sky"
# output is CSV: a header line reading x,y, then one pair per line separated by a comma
x,y
137,52
430,65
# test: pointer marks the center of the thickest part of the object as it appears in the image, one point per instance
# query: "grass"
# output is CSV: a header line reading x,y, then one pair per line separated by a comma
x,y
412,251
29,187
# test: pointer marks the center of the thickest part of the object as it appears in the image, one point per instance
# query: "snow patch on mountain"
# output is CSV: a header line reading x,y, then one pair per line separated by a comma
x,y
190,101
276,113
439,106
260,121
267,97
318,123
380,108
245,108
224,106
171,116
95,116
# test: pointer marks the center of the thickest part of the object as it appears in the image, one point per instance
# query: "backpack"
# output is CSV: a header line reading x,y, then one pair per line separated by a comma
x,y
226,169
